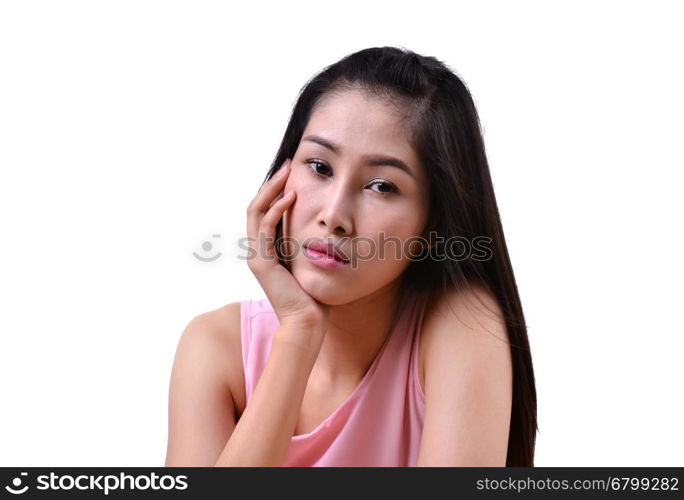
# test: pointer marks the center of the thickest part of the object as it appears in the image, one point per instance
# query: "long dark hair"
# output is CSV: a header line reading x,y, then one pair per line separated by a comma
x,y
447,138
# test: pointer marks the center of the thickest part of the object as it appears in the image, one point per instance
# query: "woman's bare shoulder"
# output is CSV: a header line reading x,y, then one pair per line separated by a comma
x,y
206,377
224,326
473,305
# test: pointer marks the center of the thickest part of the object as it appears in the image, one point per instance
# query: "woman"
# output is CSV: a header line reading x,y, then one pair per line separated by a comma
x,y
366,353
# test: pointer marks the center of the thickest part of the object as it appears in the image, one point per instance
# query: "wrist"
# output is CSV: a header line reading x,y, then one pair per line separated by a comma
x,y
305,338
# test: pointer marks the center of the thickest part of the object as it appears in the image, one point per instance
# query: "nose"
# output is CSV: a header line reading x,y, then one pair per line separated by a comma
x,y
336,210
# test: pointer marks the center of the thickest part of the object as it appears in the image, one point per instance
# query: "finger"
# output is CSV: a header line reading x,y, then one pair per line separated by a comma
x,y
271,187
277,209
261,202
267,228
262,222
279,197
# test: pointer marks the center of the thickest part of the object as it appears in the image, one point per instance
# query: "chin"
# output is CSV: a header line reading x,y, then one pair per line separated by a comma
x,y
331,294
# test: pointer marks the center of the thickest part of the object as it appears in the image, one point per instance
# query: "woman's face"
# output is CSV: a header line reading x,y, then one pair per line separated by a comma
x,y
370,210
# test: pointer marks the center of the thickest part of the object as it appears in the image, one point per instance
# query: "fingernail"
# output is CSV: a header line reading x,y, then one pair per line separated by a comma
x,y
281,171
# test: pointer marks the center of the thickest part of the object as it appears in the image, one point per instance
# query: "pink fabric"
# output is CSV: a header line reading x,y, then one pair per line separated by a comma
x,y
380,424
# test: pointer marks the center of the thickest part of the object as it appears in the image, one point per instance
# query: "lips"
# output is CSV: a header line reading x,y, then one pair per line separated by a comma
x,y
329,249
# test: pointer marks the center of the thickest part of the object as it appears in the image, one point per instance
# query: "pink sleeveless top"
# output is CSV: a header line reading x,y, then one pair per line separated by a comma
x,y
380,424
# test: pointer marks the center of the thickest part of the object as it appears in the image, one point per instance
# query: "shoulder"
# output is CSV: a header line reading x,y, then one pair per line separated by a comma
x,y
471,315
203,409
468,379
461,322
216,336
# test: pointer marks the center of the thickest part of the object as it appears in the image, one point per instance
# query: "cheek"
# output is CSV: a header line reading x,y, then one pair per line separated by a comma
x,y
295,181
397,238
307,189
303,202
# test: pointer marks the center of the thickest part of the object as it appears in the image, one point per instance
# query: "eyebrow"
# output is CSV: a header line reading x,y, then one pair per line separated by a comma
x,y
373,160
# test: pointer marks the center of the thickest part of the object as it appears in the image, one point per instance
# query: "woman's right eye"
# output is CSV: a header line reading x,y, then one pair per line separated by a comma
x,y
314,166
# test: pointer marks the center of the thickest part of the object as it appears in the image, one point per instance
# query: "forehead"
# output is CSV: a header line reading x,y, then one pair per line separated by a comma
x,y
362,124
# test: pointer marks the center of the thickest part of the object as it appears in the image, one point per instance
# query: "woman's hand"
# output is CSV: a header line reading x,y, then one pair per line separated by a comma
x,y
291,303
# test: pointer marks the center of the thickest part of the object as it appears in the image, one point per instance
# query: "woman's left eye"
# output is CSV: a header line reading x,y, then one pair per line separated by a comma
x,y
390,188
316,162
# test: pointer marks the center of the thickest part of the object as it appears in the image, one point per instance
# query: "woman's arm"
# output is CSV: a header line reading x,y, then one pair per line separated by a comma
x,y
201,405
262,436
468,383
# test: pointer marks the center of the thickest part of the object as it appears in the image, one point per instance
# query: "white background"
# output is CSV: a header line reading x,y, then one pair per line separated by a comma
x,y
132,131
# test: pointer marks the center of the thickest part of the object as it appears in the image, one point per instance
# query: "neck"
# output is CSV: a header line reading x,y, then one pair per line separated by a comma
x,y
356,332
